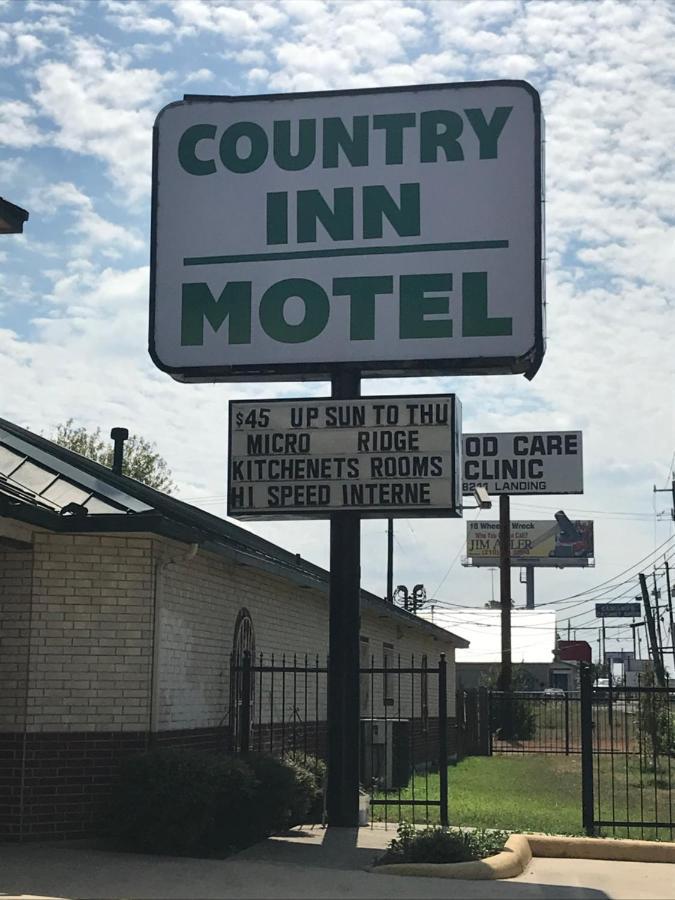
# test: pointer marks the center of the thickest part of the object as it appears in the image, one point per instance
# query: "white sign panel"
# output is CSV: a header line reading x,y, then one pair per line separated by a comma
x,y
379,456
396,230
558,544
534,462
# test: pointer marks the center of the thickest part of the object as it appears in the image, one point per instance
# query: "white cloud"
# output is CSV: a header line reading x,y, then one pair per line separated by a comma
x,y
104,107
17,128
199,75
95,232
132,15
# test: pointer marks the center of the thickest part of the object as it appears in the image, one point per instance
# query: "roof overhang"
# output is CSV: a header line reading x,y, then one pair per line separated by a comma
x,y
12,217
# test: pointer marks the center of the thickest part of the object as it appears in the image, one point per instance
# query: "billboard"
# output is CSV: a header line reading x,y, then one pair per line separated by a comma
x,y
532,462
618,610
557,544
379,456
397,230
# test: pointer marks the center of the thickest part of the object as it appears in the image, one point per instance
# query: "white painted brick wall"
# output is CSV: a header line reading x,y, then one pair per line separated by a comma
x,y
90,648
200,600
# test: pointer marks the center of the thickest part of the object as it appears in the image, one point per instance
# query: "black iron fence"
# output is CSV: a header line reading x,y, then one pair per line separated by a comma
x,y
623,738
278,705
628,759
528,722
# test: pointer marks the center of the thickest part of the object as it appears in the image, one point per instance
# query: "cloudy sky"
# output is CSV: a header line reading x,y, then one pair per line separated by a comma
x,y
80,85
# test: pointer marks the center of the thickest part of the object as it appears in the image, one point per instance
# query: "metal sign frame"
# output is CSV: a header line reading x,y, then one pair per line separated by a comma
x,y
528,363
381,512
618,610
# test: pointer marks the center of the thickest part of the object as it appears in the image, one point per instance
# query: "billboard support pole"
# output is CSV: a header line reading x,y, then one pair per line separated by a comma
x,y
529,587
505,588
342,795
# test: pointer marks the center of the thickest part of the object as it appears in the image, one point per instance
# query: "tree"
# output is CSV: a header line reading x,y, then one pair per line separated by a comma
x,y
141,459
495,604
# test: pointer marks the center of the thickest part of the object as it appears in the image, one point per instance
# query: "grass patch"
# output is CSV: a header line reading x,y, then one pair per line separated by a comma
x,y
541,793
514,794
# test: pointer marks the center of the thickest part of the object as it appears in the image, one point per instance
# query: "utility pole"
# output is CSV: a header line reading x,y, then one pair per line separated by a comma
x,y
656,594
569,629
670,611
653,641
665,491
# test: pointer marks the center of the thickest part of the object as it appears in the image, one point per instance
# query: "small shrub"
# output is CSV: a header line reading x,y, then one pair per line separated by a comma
x,y
512,718
182,802
287,790
311,771
436,844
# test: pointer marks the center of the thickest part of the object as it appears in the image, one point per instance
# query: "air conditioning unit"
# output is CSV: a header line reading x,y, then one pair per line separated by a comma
x,y
385,753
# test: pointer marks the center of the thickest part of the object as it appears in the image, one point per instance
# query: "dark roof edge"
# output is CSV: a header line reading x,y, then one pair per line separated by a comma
x,y
163,503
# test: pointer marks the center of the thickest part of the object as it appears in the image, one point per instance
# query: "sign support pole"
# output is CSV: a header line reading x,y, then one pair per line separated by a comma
x,y
342,795
505,589
529,587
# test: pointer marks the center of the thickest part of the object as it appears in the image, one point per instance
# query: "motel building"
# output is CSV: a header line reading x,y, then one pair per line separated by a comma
x,y
121,609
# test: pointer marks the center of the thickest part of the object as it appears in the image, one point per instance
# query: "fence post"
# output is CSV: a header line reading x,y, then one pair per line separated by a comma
x,y
245,710
443,737
489,721
567,725
459,720
587,799
483,722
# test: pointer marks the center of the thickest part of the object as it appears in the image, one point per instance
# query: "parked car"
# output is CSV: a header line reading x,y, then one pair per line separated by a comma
x,y
554,692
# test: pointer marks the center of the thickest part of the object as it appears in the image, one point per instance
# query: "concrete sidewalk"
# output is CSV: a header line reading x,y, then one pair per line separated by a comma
x,y
310,863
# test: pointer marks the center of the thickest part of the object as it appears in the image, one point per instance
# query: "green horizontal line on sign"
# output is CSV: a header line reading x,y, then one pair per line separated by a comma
x,y
344,251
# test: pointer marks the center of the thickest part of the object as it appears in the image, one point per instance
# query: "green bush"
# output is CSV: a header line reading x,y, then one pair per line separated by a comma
x,y
310,771
287,791
183,802
512,718
436,844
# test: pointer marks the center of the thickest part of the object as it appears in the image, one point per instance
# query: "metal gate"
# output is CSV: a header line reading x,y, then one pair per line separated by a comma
x,y
628,759
405,731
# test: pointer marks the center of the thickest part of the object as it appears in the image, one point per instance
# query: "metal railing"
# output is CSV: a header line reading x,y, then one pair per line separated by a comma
x,y
628,759
279,707
535,722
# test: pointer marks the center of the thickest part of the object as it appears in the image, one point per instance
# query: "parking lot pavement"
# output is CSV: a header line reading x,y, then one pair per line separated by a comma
x,y
315,863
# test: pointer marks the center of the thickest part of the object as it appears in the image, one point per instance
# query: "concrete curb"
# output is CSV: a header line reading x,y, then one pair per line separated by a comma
x,y
621,850
512,861
519,850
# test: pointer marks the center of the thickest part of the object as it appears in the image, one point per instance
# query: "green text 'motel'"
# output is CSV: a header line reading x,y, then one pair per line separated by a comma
x,y
424,308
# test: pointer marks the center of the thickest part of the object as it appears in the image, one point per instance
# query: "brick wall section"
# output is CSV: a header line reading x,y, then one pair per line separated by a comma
x,y
91,636
68,781
11,756
16,568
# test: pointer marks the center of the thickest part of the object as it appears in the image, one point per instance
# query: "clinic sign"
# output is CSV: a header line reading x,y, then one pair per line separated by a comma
x,y
534,462
397,231
379,456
